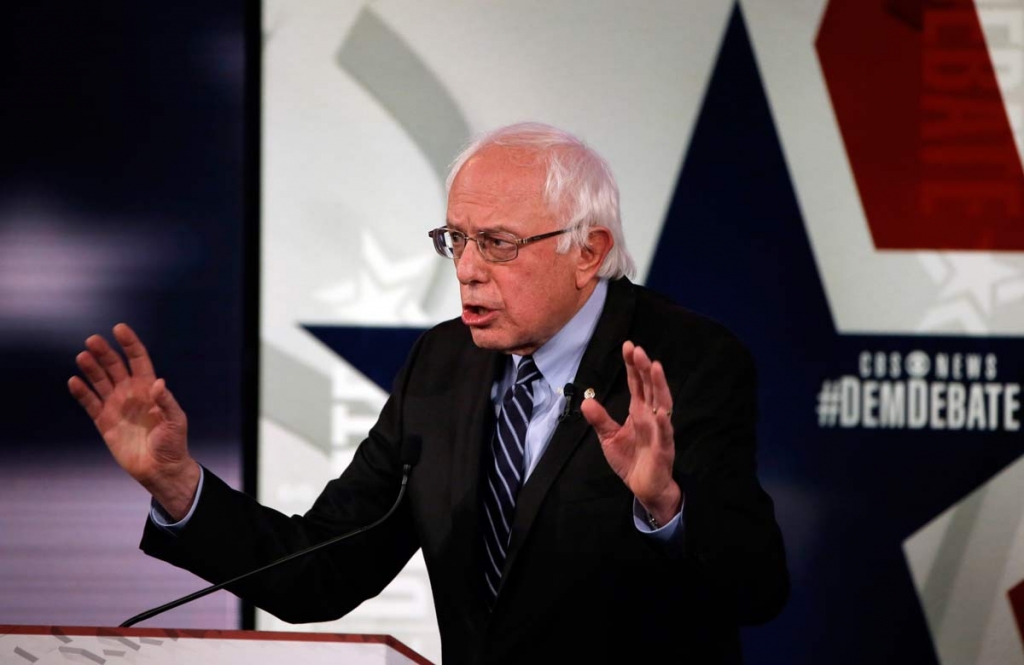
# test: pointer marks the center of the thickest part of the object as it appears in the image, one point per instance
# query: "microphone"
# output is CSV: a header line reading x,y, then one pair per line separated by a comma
x,y
568,391
409,455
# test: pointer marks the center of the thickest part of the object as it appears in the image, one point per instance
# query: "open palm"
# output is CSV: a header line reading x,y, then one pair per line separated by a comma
x,y
140,421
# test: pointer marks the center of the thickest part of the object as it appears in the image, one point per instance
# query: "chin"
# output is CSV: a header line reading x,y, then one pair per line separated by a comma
x,y
488,339
493,340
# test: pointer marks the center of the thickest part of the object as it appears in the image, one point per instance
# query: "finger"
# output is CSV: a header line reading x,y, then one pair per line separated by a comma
x,y
659,386
598,417
636,386
169,406
107,357
643,368
138,357
666,433
663,397
87,398
97,376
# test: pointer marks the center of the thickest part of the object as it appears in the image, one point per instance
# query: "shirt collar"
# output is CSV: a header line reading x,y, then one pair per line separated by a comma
x,y
559,357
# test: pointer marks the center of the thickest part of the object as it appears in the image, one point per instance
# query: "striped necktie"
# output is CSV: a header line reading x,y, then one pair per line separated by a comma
x,y
505,472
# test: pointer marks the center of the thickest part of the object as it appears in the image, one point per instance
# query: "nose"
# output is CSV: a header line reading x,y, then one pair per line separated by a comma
x,y
471,268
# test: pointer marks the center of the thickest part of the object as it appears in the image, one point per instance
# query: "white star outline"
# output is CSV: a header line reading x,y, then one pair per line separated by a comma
x,y
386,291
974,287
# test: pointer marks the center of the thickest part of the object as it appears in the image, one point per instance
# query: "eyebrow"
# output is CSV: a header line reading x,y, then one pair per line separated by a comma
x,y
487,229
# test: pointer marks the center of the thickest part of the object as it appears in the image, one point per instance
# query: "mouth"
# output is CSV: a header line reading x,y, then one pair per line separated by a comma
x,y
477,315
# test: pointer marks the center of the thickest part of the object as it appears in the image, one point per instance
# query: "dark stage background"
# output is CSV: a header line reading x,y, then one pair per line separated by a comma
x,y
121,199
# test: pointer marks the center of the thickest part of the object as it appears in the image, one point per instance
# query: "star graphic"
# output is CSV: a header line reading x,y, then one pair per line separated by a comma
x,y
385,292
978,276
381,310
972,285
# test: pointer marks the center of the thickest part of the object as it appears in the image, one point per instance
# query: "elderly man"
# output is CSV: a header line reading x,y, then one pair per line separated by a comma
x,y
629,527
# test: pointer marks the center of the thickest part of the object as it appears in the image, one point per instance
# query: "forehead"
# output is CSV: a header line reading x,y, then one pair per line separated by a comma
x,y
497,182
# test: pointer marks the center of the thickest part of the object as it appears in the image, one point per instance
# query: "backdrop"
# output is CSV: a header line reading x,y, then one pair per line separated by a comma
x,y
839,182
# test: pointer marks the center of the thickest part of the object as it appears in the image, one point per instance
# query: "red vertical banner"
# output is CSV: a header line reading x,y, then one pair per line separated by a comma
x,y
924,124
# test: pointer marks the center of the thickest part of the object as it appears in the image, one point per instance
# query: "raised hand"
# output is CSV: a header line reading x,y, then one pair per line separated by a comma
x,y
642,449
140,421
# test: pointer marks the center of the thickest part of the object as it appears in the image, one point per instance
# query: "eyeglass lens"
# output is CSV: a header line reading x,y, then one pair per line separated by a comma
x,y
493,246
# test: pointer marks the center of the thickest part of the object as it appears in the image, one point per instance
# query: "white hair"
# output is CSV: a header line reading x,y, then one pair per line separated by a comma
x,y
579,181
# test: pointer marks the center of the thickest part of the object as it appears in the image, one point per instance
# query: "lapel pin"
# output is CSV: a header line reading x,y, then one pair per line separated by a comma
x,y
589,393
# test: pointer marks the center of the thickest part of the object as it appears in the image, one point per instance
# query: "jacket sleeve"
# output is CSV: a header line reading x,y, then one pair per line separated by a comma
x,y
231,533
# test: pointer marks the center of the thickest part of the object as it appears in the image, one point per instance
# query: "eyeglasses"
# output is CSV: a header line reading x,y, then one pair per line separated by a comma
x,y
495,246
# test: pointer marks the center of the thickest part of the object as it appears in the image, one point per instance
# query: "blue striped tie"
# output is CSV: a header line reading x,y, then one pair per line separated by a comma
x,y
505,473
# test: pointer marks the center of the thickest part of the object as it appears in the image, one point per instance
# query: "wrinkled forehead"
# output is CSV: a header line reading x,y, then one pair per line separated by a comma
x,y
509,166
509,175
509,178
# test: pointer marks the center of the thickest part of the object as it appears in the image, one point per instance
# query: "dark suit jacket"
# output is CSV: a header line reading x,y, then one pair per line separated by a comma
x,y
581,584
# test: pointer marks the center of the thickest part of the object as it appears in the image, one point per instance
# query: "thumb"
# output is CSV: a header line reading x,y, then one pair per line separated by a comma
x,y
598,417
172,411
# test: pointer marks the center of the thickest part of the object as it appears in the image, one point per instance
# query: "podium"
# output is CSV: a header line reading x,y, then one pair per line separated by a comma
x,y
42,645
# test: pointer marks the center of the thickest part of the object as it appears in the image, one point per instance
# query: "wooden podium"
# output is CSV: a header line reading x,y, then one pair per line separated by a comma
x,y
42,645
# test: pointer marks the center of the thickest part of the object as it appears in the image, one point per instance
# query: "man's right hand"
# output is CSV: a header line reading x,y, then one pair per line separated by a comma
x,y
140,421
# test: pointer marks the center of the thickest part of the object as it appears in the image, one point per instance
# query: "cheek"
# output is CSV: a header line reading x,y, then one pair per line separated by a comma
x,y
534,296
535,304
520,305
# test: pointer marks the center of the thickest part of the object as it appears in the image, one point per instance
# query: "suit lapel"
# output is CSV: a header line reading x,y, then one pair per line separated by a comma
x,y
475,413
599,369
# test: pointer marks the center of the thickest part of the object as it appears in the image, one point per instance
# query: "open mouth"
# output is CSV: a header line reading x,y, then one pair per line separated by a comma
x,y
475,315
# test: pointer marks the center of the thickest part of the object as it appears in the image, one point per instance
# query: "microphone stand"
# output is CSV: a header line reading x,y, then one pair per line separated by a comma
x,y
148,614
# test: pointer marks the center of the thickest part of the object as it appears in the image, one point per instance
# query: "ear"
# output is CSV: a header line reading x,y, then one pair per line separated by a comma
x,y
591,255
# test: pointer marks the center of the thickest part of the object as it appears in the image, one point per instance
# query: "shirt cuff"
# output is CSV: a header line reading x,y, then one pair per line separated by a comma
x,y
670,534
160,518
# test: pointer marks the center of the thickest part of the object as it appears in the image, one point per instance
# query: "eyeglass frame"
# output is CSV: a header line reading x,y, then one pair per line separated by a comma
x,y
516,242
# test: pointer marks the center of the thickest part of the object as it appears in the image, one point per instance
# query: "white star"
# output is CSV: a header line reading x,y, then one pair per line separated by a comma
x,y
385,290
978,276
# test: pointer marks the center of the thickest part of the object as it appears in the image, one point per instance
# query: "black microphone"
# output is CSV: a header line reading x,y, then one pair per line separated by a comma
x,y
568,391
409,455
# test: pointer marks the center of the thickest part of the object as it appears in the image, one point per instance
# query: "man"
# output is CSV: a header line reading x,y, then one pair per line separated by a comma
x,y
627,528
